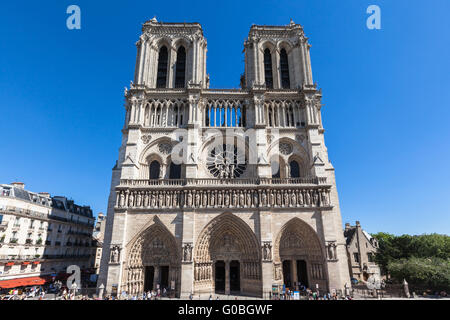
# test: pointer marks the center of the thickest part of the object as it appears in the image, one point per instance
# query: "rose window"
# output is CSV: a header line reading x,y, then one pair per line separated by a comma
x,y
226,161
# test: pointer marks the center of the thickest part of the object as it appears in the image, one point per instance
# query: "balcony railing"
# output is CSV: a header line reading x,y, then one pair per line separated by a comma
x,y
46,256
222,182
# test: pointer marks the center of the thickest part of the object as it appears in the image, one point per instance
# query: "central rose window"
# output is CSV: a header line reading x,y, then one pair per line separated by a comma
x,y
226,161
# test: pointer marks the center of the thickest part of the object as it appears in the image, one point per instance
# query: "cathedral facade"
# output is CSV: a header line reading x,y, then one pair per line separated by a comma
x,y
222,190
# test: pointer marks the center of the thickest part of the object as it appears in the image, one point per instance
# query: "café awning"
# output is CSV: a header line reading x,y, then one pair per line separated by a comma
x,y
22,282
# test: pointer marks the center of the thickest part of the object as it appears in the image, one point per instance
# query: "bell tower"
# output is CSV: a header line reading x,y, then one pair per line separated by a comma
x,y
277,57
171,55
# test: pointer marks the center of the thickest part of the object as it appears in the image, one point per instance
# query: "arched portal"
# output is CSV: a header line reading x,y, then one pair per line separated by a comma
x,y
153,260
298,257
227,258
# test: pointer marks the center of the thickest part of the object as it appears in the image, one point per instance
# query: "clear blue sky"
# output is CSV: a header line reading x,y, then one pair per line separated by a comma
x,y
386,95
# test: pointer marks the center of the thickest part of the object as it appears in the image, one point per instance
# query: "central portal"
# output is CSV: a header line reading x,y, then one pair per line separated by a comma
x,y
227,258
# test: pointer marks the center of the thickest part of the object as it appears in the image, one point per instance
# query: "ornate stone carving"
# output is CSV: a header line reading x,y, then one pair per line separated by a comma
x,y
115,254
223,198
285,148
146,138
165,148
187,252
226,162
332,251
267,251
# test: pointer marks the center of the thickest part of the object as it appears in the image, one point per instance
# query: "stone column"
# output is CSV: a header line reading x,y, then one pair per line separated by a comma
x,y
227,277
156,277
294,273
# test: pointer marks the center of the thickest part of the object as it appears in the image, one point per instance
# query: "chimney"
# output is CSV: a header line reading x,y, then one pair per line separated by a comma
x,y
45,194
19,185
347,226
358,224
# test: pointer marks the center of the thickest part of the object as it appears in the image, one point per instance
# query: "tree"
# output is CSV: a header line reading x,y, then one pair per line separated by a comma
x,y
423,260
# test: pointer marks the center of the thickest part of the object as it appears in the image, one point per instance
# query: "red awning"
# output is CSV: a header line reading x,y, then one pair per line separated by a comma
x,y
10,264
26,262
36,262
22,282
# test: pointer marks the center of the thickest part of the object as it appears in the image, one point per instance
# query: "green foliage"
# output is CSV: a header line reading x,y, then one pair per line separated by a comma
x,y
423,273
423,260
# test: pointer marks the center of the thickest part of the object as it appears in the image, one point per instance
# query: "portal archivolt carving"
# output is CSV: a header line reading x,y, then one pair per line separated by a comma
x,y
298,241
155,246
227,238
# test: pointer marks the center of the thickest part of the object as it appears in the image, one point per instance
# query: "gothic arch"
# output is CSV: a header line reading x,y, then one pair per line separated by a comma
x,y
227,238
297,240
285,44
213,232
150,150
155,246
164,41
298,151
181,42
268,44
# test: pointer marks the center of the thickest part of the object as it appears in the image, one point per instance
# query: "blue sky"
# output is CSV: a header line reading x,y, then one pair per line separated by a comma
x,y
386,95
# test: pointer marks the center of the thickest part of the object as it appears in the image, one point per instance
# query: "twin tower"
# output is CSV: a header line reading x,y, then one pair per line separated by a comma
x,y
173,55
223,190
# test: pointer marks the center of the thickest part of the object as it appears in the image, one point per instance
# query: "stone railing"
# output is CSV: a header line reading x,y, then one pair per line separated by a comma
x,y
273,195
221,182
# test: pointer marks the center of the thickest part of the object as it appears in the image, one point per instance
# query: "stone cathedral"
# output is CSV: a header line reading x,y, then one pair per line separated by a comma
x,y
222,190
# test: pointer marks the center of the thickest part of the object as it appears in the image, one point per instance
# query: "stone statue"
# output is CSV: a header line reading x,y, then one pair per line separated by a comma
x,y
146,200
286,198
278,199
139,198
308,198
263,198
227,199
293,199
241,199
255,199
160,200
219,199
131,200
115,254
122,199
153,201
267,251
189,199
187,252
168,204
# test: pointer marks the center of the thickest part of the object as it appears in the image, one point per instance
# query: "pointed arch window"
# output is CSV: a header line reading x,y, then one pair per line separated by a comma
x,y
295,169
163,58
268,68
180,68
154,170
284,70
